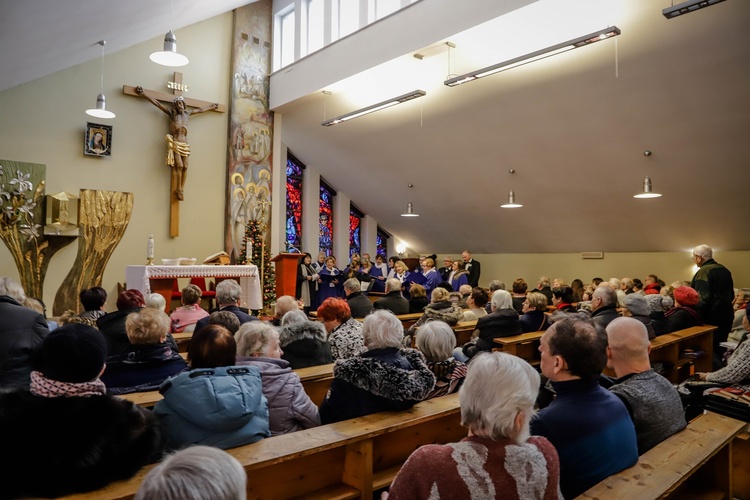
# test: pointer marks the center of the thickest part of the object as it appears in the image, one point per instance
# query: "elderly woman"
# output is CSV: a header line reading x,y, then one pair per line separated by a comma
x,y
155,301
149,360
636,306
441,309
684,314
64,434
436,341
344,332
186,316
501,322
534,317
738,365
330,280
289,407
498,459
358,386
303,341
215,403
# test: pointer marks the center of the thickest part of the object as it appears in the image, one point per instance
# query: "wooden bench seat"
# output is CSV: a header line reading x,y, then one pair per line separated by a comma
x,y
694,463
315,379
348,459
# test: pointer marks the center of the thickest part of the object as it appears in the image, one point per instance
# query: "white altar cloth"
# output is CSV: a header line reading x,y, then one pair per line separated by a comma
x,y
138,277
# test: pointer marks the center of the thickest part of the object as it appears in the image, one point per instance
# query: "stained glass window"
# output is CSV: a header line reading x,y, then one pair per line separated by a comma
x,y
382,241
326,217
355,221
293,204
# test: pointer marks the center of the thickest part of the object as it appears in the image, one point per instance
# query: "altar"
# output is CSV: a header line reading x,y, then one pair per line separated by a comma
x,y
159,279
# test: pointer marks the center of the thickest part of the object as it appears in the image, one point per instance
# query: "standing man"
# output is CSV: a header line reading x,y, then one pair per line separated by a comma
x,y
714,285
473,267
588,425
446,269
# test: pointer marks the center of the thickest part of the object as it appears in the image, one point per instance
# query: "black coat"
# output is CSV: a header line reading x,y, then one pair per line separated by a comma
x,y
394,302
417,305
387,379
241,315
475,271
142,367
360,305
21,331
304,344
56,446
112,326
501,323
680,318
604,315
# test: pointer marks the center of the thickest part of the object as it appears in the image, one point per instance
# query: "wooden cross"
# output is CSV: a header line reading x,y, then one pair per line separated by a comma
x,y
157,97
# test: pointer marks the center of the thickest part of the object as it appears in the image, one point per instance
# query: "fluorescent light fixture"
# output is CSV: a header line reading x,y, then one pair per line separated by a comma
x,y
100,111
535,56
687,7
169,56
511,201
375,107
648,191
409,211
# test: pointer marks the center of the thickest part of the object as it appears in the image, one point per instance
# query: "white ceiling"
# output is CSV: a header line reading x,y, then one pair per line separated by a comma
x,y
573,131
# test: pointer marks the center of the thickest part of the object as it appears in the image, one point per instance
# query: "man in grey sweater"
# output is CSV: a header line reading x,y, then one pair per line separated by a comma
x,y
652,401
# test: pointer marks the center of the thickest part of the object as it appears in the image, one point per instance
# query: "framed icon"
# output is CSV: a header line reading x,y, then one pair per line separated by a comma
x,y
98,140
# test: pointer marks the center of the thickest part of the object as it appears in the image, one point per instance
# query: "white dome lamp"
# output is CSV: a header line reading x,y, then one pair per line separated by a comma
x,y
648,190
100,111
169,56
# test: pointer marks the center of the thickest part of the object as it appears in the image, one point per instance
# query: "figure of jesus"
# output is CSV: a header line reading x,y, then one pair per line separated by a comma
x,y
178,149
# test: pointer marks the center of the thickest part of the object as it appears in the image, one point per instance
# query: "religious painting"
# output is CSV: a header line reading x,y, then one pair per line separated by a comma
x,y
250,131
98,140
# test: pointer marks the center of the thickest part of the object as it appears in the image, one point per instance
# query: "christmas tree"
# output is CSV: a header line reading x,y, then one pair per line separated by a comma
x,y
261,257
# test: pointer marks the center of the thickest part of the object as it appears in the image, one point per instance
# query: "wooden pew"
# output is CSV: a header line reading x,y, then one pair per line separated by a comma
x,y
664,348
315,379
348,459
183,340
694,463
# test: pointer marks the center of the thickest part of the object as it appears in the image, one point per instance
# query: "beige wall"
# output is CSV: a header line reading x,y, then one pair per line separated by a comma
x,y
669,266
44,121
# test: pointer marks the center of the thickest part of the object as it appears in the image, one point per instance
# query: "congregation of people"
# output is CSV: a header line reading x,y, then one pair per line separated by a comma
x,y
551,431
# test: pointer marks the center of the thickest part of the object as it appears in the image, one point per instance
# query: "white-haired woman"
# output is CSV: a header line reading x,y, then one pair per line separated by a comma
x,y
195,473
289,407
358,386
503,321
436,341
498,459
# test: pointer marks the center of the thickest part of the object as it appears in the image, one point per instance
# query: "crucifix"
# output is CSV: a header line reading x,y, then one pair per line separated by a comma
x,y
178,149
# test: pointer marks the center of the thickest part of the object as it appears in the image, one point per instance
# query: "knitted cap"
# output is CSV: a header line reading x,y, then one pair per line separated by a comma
x,y
659,303
686,296
72,353
636,304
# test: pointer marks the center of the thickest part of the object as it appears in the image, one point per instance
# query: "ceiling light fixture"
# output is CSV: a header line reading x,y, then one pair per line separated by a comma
x,y
535,56
511,201
687,7
648,191
375,107
100,111
169,56
410,207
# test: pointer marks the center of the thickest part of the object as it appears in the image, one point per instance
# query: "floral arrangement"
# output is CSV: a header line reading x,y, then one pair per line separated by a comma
x,y
18,203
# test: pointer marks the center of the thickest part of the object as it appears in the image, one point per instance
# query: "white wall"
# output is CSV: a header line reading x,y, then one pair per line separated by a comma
x,y
44,121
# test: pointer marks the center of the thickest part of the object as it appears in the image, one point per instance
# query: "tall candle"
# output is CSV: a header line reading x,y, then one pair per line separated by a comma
x,y
150,247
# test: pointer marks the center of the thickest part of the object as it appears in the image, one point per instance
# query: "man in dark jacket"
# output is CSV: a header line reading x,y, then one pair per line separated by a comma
x,y
604,305
393,300
228,294
21,330
714,285
473,266
360,305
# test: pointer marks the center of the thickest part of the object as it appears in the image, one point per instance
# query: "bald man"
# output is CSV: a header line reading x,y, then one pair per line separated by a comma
x,y
652,401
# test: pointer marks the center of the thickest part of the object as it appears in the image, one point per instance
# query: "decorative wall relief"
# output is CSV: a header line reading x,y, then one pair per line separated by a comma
x,y
21,222
103,218
250,127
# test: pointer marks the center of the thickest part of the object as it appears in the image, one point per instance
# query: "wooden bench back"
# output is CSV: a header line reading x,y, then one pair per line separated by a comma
x,y
694,463
347,459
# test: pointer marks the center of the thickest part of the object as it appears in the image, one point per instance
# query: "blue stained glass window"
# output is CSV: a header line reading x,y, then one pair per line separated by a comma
x,y
382,242
326,219
293,205
355,222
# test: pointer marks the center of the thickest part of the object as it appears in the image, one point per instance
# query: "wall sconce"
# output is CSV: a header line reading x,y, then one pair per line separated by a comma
x,y
62,215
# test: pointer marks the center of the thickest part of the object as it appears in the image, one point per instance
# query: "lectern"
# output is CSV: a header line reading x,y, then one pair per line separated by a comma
x,y
286,273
